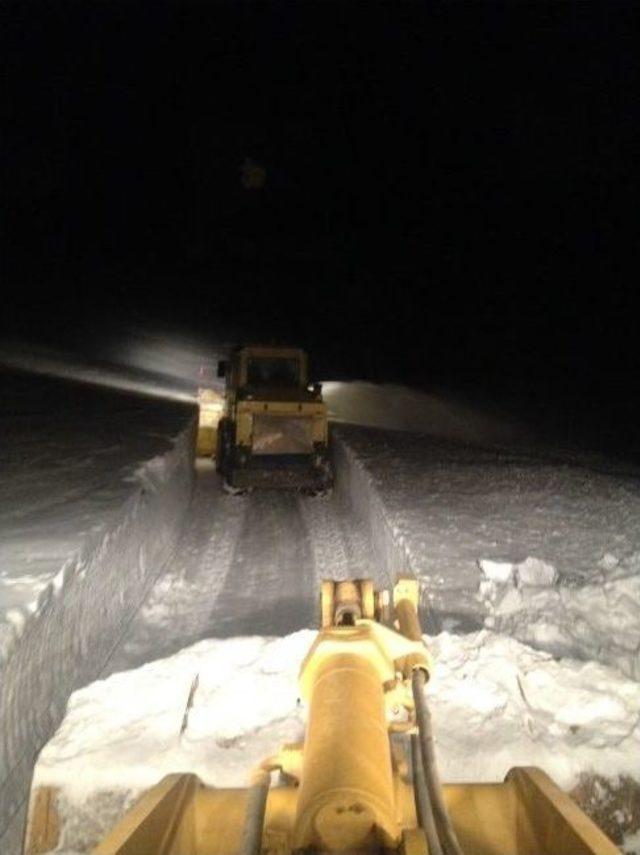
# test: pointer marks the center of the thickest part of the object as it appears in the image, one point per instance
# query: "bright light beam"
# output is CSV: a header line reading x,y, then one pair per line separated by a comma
x,y
67,367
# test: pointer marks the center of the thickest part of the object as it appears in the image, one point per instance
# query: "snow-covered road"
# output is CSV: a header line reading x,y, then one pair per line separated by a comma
x,y
245,565
473,523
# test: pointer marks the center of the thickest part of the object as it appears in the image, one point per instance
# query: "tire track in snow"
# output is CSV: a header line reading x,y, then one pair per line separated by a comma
x,y
271,587
325,537
339,547
246,565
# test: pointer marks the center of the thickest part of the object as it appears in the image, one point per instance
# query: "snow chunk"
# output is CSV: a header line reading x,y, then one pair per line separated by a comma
x,y
531,571
534,571
497,571
498,704
595,621
608,561
631,843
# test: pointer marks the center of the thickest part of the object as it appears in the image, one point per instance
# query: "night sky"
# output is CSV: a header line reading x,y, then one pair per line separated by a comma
x,y
434,192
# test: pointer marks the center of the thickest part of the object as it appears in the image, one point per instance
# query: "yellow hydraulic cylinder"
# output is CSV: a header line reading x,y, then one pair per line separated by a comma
x,y
346,798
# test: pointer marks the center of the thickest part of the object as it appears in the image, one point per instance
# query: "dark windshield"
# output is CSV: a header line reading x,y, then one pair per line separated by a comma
x,y
273,372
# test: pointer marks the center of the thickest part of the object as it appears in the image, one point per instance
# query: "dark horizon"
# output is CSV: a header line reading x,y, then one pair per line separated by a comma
x,y
431,194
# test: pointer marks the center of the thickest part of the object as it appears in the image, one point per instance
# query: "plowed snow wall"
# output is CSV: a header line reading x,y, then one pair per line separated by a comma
x,y
357,490
67,641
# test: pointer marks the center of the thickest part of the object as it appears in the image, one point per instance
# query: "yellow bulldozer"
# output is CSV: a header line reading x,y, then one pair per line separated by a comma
x,y
365,779
274,430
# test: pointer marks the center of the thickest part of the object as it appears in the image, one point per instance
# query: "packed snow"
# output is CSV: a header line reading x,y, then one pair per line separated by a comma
x,y
496,704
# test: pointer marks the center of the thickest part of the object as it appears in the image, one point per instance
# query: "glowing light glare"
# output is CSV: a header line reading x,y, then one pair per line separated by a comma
x,y
184,359
66,367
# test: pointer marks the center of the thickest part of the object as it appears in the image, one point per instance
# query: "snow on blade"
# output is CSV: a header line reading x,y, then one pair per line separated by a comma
x,y
496,704
125,731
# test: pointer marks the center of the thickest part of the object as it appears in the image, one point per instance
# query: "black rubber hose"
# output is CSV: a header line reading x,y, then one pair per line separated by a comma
x,y
425,733
424,811
254,814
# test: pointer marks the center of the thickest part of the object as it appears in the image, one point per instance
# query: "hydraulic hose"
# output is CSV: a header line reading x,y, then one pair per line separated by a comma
x,y
424,811
255,811
425,734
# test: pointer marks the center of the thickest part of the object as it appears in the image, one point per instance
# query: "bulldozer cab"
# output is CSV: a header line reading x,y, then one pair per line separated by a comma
x,y
279,371
264,368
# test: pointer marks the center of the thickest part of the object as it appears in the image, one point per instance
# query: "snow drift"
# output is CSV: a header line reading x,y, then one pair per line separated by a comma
x,y
548,550
76,564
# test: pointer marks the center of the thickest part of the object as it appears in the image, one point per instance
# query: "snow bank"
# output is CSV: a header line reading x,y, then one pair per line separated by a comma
x,y
85,530
547,549
496,704
356,492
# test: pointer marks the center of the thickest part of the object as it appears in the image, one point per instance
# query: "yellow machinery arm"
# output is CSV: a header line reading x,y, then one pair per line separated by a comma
x,y
354,786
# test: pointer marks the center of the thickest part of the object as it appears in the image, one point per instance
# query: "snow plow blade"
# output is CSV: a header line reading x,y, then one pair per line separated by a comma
x,y
280,473
525,815
365,779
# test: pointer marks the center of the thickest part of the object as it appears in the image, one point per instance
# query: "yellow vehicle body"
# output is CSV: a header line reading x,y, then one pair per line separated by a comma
x,y
274,431
210,407
352,786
